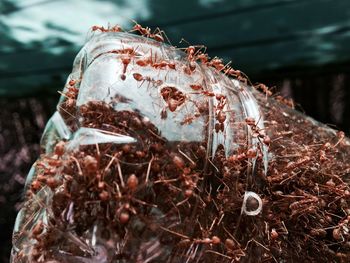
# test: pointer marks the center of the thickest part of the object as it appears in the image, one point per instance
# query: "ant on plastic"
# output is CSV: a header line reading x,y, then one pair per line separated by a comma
x,y
157,34
116,28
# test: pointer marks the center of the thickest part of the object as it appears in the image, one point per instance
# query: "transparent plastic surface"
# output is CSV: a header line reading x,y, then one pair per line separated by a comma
x,y
151,157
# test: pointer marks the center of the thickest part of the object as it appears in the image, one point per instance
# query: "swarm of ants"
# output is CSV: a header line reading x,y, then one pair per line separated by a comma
x,y
174,201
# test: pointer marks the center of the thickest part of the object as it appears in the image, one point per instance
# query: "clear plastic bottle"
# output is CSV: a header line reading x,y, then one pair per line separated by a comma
x,y
154,157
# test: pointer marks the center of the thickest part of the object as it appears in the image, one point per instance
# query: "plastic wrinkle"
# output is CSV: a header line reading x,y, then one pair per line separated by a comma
x,y
62,129
251,109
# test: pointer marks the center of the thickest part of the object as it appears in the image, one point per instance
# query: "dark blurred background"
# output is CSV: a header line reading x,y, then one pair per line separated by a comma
x,y
298,47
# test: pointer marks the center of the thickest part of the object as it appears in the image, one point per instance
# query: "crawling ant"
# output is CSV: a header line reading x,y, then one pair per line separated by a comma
x,y
157,34
190,51
196,86
163,64
99,28
147,61
219,127
126,61
257,132
35,186
159,65
127,50
115,28
208,93
138,77
264,89
192,56
340,136
222,101
216,63
239,75
72,82
285,101
232,72
219,114
203,58
125,55
190,68
298,163
144,31
173,97
144,62
188,120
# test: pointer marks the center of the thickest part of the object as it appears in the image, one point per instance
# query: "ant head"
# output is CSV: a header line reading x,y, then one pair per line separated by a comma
x,y
116,28
191,49
137,27
94,28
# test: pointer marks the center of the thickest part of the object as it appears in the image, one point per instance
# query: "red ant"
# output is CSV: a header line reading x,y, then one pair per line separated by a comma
x,y
115,28
208,93
100,28
285,101
139,77
163,64
145,61
220,116
190,68
232,72
191,50
204,58
142,30
125,61
128,51
71,93
219,127
196,86
264,88
187,120
146,31
258,132
216,63
237,74
157,36
142,62
72,82
192,56
173,97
